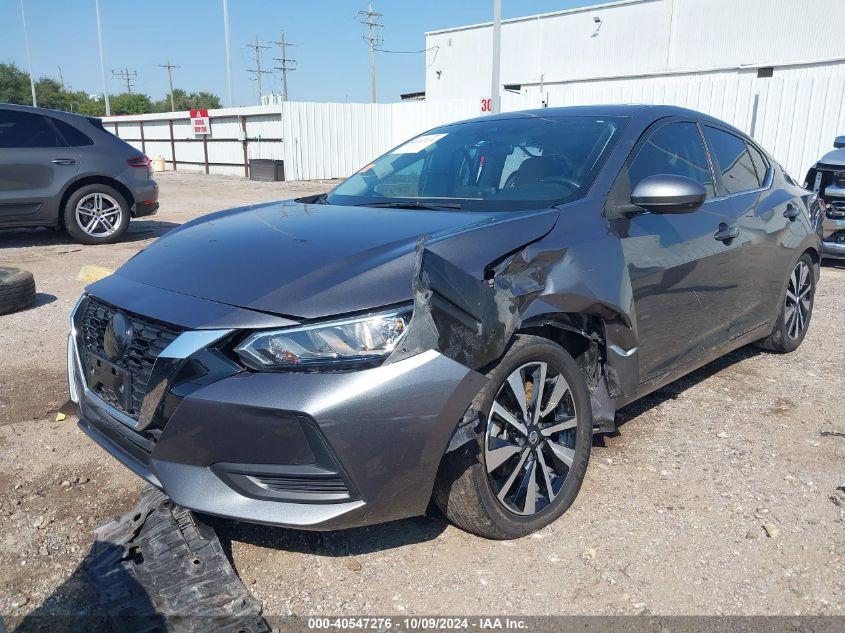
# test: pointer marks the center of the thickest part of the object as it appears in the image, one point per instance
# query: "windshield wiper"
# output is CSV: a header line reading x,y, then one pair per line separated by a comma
x,y
414,204
320,198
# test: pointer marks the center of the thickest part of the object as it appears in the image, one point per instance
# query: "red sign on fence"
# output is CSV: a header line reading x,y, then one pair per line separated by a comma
x,y
200,123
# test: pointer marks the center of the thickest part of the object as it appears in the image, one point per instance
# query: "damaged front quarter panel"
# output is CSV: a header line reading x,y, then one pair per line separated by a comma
x,y
549,282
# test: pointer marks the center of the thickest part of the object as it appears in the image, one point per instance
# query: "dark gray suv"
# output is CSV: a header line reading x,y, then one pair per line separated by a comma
x,y
454,321
64,170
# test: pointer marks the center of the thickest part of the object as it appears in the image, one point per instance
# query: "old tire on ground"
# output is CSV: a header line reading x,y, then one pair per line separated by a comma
x,y
796,309
17,289
525,466
96,214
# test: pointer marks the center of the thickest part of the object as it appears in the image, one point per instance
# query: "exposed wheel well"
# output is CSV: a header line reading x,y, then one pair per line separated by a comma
x,y
93,180
584,337
581,336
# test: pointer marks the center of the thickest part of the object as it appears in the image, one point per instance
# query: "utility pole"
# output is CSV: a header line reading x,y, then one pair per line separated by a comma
x,y
497,46
126,77
228,52
286,64
61,78
28,57
102,59
170,68
370,19
256,51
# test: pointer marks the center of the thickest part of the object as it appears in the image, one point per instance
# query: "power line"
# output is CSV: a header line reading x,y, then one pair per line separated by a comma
x,y
286,64
256,51
170,68
126,76
422,50
370,19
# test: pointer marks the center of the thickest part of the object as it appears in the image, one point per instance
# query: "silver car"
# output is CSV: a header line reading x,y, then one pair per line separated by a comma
x,y
827,178
66,171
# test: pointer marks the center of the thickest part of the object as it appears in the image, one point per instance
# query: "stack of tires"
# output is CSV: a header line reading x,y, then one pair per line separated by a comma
x,y
17,289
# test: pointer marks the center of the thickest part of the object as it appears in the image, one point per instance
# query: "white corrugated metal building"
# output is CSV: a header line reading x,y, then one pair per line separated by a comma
x,y
701,54
641,41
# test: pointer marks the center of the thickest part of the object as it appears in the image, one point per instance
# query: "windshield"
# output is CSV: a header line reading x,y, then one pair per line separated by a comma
x,y
509,164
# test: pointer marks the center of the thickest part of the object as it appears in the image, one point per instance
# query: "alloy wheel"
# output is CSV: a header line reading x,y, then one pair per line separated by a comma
x,y
798,300
98,214
530,438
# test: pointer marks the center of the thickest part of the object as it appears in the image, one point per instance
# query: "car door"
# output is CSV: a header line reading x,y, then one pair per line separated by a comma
x,y
759,216
675,264
35,166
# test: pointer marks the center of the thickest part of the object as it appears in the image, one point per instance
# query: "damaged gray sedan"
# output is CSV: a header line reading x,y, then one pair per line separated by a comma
x,y
455,321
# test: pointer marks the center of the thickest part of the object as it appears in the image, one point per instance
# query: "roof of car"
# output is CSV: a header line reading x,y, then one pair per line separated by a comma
x,y
611,109
61,114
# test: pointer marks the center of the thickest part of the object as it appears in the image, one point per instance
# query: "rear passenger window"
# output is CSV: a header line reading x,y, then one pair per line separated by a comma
x,y
675,149
72,136
24,129
732,161
760,164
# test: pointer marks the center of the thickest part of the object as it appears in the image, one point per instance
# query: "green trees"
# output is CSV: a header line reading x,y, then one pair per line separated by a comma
x,y
187,101
14,85
14,88
130,103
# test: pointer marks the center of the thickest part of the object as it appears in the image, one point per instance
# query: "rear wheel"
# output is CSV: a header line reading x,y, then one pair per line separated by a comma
x,y
796,309
96,214
530,455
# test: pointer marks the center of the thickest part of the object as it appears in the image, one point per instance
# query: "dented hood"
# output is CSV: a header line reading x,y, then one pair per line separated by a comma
x,y
309,261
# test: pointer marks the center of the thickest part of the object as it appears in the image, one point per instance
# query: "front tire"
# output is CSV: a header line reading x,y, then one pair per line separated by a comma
x,y
530,455
96,214
796,309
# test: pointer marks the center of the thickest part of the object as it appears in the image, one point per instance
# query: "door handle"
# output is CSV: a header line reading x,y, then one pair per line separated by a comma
x,y
791,212
726,233
63,161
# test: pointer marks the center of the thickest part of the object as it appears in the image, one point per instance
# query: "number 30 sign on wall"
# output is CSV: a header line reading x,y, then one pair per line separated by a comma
x,y
486,104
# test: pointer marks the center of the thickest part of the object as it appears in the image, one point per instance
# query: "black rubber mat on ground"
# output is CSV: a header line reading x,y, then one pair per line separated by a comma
x,y
158,568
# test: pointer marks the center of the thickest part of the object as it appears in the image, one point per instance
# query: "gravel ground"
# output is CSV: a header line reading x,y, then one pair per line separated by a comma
x,y
721,493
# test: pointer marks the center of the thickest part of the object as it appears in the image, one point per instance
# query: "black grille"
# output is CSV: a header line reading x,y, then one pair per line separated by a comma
x,y
149,339
304,484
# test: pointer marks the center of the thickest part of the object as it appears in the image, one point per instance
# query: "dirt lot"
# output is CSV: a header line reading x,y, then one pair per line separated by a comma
x,y
721,494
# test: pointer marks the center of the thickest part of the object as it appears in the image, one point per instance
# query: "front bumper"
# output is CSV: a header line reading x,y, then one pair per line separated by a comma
x,y
833,237
371,439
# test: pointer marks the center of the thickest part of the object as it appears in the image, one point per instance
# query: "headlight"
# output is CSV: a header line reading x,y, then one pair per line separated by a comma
x,y
336,343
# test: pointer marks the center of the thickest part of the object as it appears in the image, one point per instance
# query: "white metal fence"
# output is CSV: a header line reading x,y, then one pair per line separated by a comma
x,y
795,119
334,140
237,135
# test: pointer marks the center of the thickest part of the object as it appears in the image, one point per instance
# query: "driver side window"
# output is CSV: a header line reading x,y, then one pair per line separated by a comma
x,y
677,149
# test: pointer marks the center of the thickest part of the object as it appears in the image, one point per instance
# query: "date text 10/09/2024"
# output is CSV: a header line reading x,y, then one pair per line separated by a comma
x,y
417,623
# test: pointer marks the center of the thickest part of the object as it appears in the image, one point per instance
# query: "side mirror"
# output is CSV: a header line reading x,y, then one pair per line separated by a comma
x,y
666,193
839,142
